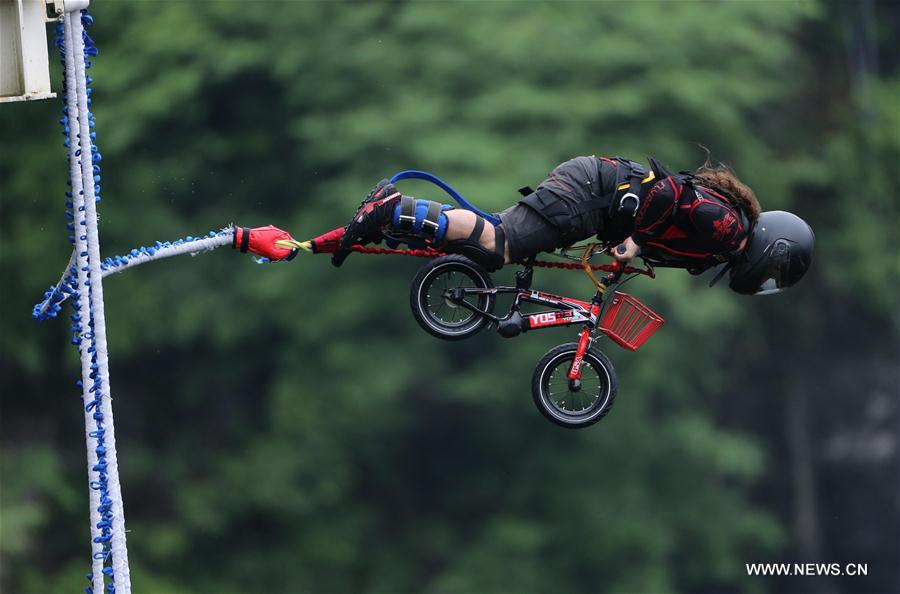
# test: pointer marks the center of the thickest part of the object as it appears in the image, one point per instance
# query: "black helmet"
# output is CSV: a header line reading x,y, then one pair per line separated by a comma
x,y
777,255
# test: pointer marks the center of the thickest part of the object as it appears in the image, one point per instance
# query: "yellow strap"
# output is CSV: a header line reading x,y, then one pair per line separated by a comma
x,y
290,244
586,264
626,185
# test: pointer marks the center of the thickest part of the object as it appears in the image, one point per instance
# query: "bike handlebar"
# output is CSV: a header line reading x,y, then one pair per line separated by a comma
x,y
616,269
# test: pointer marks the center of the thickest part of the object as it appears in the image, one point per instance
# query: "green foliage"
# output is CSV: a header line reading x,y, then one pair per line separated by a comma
x,y
288,428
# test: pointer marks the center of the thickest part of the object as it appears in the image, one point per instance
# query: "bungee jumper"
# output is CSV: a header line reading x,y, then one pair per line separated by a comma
x,y
685,220
691,220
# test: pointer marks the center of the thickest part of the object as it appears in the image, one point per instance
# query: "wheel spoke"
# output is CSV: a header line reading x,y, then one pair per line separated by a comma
x,y
442,310
574,403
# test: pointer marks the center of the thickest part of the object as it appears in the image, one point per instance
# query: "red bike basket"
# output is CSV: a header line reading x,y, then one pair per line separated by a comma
x,y
628,322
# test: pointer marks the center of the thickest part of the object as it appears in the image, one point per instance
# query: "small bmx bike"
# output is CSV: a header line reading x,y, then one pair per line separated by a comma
x,y
574,384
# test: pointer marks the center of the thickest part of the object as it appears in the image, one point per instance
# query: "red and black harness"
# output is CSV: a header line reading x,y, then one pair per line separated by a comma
x,y
695,207
622,190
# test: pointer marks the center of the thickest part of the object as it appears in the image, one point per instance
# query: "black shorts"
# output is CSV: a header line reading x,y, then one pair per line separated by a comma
x,y
528,233
573,182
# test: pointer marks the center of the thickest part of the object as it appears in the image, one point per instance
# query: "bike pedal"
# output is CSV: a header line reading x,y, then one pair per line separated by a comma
x,y
524,278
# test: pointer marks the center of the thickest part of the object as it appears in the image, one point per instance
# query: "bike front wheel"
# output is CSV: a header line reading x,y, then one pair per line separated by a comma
x,y
566,403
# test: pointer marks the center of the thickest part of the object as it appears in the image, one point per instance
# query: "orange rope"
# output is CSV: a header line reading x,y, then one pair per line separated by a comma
x,y
432,253
426,253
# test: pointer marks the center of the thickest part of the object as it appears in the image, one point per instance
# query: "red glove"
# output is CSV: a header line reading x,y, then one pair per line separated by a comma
x,y
261,241
328,242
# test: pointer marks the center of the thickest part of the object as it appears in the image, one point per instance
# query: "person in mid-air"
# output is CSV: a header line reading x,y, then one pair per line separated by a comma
x,y
686,220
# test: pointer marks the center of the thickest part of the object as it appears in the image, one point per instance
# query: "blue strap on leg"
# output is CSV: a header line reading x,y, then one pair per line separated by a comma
x,y
423,175
421,220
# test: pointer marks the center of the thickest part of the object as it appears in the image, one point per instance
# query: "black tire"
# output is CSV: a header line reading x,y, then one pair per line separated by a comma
x,y
435,314
580,408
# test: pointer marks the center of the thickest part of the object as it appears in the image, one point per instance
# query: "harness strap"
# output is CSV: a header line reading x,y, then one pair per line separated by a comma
x,y
407,213
430,223
631,177
622,201
475,235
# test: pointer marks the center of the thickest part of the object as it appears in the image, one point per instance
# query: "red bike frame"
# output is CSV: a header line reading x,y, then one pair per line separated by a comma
x,y
565,310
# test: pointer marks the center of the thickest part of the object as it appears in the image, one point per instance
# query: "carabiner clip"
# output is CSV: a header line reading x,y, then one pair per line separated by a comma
x,y
630,196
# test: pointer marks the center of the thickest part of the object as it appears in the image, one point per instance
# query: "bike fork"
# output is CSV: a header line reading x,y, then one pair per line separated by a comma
x,y
584,341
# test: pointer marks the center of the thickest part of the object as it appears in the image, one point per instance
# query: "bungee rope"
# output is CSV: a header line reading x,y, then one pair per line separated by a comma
x,y
51,304
100,509
82,279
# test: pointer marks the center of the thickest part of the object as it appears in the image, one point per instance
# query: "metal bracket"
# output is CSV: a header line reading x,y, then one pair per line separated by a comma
x,y
56,8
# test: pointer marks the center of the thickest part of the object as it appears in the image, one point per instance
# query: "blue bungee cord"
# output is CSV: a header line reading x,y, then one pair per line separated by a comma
x,y
450,190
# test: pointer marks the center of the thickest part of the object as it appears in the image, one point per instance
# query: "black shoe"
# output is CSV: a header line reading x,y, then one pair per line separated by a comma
x,y
373,214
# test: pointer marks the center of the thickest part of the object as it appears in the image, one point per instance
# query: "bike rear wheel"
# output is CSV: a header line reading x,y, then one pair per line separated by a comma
x,y
435,312
574,406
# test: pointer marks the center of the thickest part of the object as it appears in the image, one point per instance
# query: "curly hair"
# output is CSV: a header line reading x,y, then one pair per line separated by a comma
x,y
722,179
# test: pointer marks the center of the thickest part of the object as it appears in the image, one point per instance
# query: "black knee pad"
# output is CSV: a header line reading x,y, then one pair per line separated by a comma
x,y
472,249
